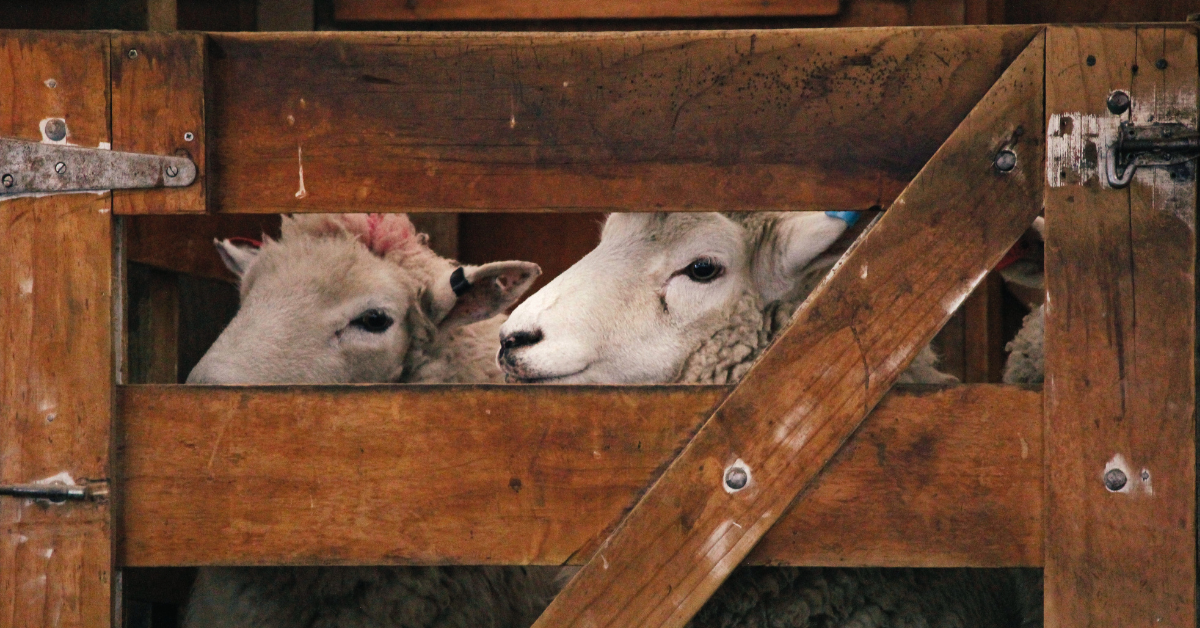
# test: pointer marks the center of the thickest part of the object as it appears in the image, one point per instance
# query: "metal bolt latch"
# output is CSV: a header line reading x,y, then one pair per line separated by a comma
x,y
56,492
1149,146
1115,480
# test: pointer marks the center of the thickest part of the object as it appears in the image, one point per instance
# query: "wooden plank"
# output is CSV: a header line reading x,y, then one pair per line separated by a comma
x,y
724,120
1120,388
414,10
847,345
933,478
983,332
157,105
184,244
56,361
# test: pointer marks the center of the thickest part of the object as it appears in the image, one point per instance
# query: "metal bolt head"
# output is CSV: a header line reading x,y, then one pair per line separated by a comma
x,y
172,171
1091,59
6,180
1115,480
132,54
1118,102
736,478
1161,64
56,129
187,137
1006,160
60,167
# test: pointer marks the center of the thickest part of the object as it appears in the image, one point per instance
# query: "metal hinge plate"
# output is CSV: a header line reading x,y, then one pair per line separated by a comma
x,y
40,168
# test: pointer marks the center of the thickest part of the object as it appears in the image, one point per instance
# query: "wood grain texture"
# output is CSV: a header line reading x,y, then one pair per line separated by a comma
x,y
414,10
729,120
157,98
56,361
1119,343
846,346
184,244
425,475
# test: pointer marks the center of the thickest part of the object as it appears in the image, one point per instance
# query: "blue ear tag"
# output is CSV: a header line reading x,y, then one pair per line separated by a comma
x,y
847,217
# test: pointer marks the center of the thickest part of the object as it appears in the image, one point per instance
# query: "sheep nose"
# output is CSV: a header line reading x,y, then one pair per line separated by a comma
x,y
519,339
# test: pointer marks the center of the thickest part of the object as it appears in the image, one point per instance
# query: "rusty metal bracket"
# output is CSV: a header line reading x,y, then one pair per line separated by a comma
x,y
1149,146
40,168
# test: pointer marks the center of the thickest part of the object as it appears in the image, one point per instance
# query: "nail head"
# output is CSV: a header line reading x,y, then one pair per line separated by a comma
x,y
1091,59
1115,479
7,180
132,54
56,129
1006,160
60,167
1118,102
736,478
1161,64
187,137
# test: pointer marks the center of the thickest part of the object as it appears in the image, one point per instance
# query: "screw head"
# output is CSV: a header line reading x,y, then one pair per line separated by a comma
x,y
1091,59
60,167
1006,160
1161,64
56,129
132,54
736,478
187,137
1115,480
172,171
1118,102
7,180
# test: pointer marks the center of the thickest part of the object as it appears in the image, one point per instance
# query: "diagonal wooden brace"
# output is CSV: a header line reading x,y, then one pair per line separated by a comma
x,y
846,347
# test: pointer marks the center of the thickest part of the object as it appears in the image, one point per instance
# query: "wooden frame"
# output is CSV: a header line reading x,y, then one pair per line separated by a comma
x,y
679,121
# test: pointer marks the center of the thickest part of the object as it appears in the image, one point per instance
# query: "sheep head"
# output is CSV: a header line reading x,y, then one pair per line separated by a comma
x,y
343,298
655,290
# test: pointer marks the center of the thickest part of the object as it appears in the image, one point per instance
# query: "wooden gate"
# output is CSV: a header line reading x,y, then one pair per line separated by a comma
x,y
963,134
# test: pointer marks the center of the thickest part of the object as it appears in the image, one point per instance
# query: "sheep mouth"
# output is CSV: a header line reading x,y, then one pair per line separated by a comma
x,y
542,379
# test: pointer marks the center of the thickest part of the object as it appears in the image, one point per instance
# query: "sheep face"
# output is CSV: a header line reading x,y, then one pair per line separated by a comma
x,y
656,287
327,306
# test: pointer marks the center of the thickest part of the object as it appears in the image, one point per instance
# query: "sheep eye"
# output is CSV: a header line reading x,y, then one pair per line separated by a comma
x,y
374,321
703,270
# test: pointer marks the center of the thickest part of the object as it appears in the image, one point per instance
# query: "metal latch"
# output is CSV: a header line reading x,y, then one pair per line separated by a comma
x,y
36,167
57,492
1150,146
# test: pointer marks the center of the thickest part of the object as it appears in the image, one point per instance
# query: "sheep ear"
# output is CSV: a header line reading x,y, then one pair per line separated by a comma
x,y
795,241
237,256
469,294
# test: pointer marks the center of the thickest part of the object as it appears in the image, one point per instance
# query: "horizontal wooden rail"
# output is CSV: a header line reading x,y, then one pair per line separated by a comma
x,y
524,474
702,120
411,10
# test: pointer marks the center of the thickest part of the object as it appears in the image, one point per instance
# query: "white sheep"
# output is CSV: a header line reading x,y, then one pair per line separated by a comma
x,y
361,298
695,298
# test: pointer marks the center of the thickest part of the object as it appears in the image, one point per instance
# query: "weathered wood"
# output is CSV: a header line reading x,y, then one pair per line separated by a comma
x,y
184,244
1120,334
847,345
413,10
425,474
56,366
157,101
152,325
730,120
983,332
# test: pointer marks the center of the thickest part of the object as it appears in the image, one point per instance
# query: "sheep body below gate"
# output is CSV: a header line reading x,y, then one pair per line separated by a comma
x,y
357,298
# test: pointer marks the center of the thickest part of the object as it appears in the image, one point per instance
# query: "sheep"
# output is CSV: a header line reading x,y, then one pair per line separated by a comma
x,y
696,298
361,298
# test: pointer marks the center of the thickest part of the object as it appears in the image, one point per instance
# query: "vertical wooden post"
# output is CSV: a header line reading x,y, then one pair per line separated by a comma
x,y
1120,391
56,359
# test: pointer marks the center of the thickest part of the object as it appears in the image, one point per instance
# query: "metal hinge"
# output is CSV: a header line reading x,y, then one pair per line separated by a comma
x,y
36,167
1149,146
57,492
